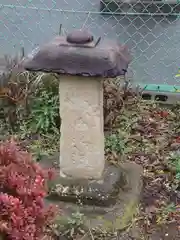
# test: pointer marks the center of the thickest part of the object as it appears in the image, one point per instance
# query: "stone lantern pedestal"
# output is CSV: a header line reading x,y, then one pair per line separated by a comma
x,y
108,194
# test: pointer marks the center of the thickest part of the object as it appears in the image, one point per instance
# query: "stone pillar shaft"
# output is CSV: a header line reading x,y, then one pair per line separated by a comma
x,y
82,127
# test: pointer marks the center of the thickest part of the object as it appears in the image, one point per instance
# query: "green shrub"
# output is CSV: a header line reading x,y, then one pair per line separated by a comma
x,y
44,114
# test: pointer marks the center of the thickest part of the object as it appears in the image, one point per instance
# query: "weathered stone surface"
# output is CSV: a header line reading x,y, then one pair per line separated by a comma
x,y
85,57
82,135
101,192
117,216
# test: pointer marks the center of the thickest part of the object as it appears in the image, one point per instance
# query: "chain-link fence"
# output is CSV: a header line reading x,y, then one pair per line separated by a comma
x,y
150,29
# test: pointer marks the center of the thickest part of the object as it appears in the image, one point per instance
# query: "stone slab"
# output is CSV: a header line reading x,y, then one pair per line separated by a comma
x,y
99,58
101,192
116,217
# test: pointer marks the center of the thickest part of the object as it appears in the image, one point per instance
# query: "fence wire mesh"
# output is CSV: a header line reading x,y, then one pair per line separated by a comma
x,y
151,29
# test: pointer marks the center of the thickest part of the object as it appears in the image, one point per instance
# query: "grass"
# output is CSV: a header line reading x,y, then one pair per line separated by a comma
x,y
137,131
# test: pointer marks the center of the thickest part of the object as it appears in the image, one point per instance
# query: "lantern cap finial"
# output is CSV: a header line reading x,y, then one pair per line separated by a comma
x,y
79,37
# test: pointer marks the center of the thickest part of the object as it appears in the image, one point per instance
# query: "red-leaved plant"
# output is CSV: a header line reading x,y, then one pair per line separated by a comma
x,y
23,214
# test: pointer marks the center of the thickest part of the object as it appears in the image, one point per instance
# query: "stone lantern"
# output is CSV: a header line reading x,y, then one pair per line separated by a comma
x,y
82,64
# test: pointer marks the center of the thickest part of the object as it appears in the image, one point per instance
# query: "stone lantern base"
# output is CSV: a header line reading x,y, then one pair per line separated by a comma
x,y
109,203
